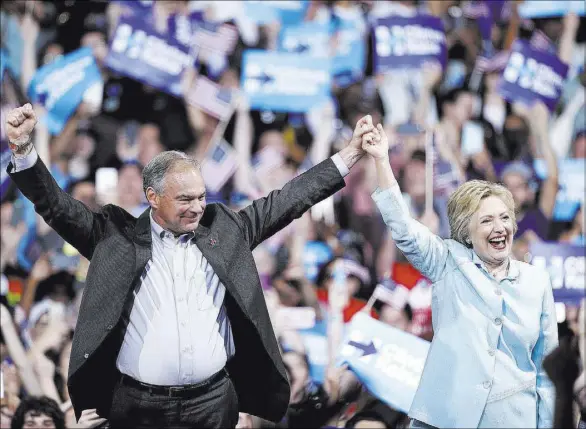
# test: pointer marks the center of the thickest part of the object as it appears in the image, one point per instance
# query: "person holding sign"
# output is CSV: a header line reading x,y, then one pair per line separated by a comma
x,y
493,316
173,329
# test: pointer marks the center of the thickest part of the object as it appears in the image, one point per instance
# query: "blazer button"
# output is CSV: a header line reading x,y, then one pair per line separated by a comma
x,y
87,355
486,384
498,321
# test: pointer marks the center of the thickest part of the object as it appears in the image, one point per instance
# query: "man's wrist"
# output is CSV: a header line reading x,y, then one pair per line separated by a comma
x,y
351,156
22,149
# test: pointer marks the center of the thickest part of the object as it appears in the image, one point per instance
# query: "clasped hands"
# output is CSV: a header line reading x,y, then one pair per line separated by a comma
x,y
375,142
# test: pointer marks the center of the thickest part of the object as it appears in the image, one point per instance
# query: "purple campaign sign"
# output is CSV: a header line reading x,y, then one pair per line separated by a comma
x,y
401,43
565,264
532,75
139,52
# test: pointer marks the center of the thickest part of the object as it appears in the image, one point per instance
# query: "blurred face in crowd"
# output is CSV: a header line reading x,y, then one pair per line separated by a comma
x,y
491,231
149,143
519,187
86,193
414,183
36,419
461,109
273,139
395,317
180,206
130,184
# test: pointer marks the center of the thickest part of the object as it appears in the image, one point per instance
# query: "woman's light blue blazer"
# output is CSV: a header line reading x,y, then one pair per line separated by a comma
x,y
484,364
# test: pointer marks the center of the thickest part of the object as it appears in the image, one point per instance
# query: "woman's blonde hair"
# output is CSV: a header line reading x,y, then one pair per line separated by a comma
x,y
465,202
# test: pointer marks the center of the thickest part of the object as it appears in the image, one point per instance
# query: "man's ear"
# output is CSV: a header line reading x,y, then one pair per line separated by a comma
x,y
152,198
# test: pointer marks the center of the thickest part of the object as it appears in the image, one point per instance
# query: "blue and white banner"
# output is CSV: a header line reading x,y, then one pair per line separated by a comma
x,y
405,43
311,38
285,82
60,85
565,264
344,45
287,12
571,186
389,362
350,56
532,75
531,9
139,52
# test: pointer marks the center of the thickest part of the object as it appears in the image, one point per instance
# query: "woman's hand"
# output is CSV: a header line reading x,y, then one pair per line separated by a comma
x,y
376,143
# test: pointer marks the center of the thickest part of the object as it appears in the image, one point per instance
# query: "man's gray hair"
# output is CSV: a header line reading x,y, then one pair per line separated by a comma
x,y
153,175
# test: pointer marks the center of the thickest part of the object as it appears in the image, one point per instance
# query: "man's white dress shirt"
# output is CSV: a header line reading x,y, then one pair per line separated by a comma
x,y
178,332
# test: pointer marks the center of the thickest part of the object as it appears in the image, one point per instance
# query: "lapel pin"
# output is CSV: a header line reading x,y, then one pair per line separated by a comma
x,y
213,241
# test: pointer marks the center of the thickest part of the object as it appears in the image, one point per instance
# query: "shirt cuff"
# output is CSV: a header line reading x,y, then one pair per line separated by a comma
x,y
24,162
342,167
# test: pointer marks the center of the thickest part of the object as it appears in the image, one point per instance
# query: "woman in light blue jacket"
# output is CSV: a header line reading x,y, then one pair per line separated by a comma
x,y
493,317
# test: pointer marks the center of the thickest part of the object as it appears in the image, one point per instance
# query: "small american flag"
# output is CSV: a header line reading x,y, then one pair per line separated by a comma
x,y
211,97
395,295
219,165
220,39
540,41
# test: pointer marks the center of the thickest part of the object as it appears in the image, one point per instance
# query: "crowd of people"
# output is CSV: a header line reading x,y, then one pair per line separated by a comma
x,y
122,124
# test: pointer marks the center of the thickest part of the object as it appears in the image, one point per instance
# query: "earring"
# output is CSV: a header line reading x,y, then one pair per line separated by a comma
x,y
468,241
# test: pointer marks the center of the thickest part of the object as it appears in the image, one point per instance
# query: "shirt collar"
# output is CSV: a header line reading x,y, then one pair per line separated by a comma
x,y
514,270
165,235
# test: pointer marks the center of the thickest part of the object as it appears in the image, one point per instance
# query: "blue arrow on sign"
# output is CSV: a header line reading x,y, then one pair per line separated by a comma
x,y
301,48
367,349
263,77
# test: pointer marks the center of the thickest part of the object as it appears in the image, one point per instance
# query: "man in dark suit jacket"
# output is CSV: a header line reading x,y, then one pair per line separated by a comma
x,y
135,367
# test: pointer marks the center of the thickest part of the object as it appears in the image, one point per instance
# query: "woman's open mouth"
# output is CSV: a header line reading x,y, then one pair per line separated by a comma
x,y
498,243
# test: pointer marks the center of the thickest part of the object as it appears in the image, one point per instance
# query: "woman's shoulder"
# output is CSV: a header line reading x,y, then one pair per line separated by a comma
x,y
532,273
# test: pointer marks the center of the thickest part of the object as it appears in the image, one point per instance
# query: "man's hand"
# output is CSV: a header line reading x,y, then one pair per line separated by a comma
x,y
20,123
89,419
376,143
363,126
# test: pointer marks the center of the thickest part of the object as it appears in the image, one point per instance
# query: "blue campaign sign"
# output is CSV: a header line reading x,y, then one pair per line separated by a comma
x,y
571,187
59,86
314,38
531,9
532,75
350,59
565,264
139,52
287,12
387,361
285,82
406,43
311,38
